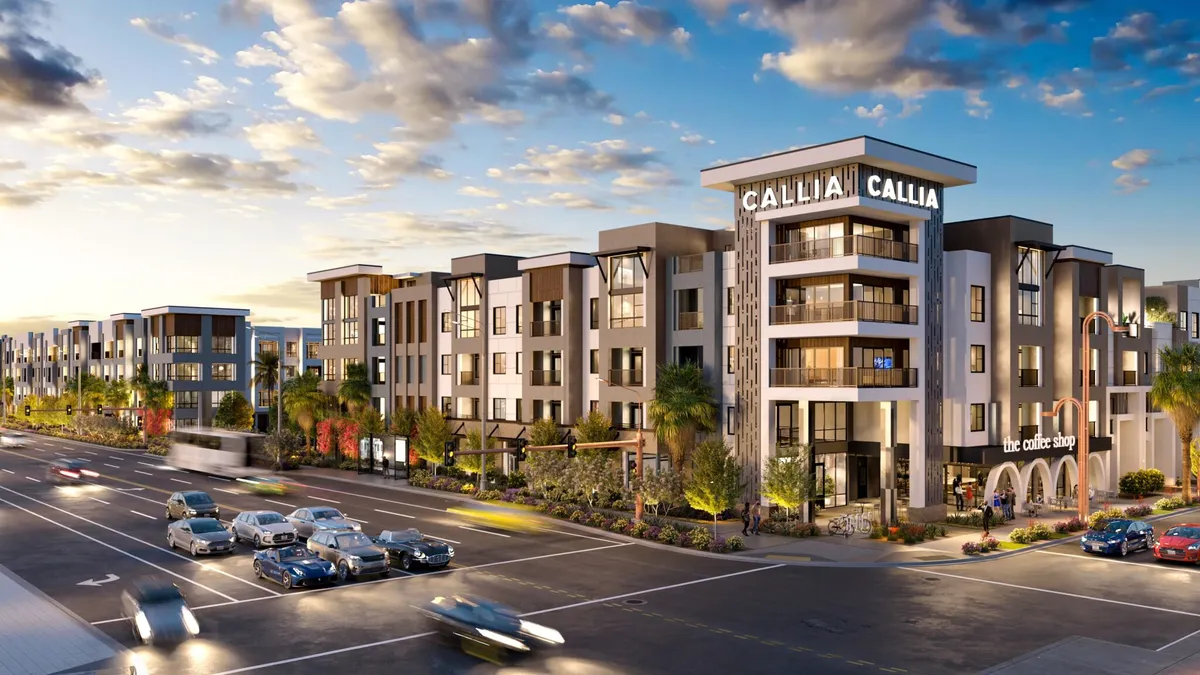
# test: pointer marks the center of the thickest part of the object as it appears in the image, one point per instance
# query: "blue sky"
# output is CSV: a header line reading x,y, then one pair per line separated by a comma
x,y
212,155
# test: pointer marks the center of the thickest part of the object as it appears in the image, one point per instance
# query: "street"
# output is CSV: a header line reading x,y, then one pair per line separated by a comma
x,y
622,607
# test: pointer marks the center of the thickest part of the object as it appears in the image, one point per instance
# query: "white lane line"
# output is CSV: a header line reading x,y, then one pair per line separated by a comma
x,y
575,534
390,513
144,473
89,452
214,591
324,499
32,479
1175,642
193,561
181,481
232,492
60,454
1114,561
112,465
1064,594
100,500
450,541
377,499
10,471
119,459
279,503
223,480
80,459
156,502
415,636
494,534
150,465
142,514
357,520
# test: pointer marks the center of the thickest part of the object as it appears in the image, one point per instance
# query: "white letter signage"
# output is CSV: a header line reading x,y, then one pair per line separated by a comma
x,y
1039,442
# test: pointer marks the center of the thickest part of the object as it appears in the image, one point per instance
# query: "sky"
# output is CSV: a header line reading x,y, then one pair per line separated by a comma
x,y
212,154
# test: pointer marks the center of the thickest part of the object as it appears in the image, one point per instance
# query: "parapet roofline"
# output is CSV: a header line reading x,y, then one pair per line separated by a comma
x,y
184,309
568,258
344,271
862,149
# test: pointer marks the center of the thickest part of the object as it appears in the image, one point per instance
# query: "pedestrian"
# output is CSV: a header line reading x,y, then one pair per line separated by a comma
x,y
1012,504
995,501
385,467
756,515
971,494
745,519
987,520
958,494
1004,503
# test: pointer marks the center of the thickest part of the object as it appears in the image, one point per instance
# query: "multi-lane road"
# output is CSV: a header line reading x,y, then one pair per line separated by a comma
x,y
622,607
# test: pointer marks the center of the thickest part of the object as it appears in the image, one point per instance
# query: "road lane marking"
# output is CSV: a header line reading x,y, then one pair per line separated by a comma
x,y
449,541
80,459
378,499
390,513
575,534
32,479
494,534
1065,594
181,481
60,454
415,636
112,465
142,541
324,499
1175,642
119,459
150,465
357,520
100,500
232,492
214,591
89,452
142,514
10,471
279,503
144,473
223,480
1094,558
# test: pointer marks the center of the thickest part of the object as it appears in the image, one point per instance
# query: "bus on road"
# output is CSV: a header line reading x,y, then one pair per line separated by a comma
x,y
215,451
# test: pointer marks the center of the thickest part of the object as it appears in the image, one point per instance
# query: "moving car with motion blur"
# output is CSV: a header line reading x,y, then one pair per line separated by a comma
x,y
68,471
271,486
409,548
353,553
200,535
319,519
192,504
497,517
12,439
263,528
293,566
158,613
1119,536
1180,543
487,629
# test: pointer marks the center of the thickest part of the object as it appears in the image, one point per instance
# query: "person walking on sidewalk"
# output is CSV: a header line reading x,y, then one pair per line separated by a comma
x,y
958,494
385,467
756,515
745,519
1012,503
987,520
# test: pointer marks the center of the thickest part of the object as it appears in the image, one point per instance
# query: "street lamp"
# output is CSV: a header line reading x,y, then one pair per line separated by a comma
x,y
637,498
1081,481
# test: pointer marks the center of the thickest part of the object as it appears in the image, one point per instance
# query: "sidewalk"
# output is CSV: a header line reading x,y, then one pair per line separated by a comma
x,y
1085,655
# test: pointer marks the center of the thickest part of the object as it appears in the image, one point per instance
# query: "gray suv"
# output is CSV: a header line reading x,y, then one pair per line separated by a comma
x,y
263,528
353,553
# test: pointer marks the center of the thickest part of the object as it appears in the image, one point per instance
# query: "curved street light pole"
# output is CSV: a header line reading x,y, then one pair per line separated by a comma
x,y
637,497
1080,483
1085,423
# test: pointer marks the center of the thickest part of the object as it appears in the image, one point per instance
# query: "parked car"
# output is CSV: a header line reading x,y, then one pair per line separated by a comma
x,y
192,504
271,486
200,535
293,566
12,439
318,519
1119,536
353,553
263,527
68,471
487,629
407,548
1181,543
158,613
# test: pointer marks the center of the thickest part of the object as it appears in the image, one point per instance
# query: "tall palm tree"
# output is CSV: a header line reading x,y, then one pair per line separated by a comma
x,y
1176,390
682,406
266,375
305,402
92,389
116,394
354,391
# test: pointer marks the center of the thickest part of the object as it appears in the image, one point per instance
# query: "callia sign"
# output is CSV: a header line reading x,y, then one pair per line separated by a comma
x,y
895,190
1039,442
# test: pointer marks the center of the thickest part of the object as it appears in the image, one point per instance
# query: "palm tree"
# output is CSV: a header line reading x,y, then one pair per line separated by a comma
x,y
354,391
8,393
305,402
91,390
683,405
1176,390
266,375
116,394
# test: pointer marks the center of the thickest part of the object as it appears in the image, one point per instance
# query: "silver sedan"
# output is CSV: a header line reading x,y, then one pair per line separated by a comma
x,y
315,519
200,535
263,528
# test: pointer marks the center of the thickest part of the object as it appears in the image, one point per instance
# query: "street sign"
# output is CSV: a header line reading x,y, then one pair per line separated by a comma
x,y
99,582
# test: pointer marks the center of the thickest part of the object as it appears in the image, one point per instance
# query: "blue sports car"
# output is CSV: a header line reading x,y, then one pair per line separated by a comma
x,y
1119,536
293,566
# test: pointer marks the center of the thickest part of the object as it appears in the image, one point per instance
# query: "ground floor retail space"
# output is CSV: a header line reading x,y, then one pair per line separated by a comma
x,y
1048,478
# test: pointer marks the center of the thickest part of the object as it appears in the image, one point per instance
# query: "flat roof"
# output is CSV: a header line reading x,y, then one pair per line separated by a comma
x,y
125,315
186,309
344,271
1001,217
624,250
865,149
569,258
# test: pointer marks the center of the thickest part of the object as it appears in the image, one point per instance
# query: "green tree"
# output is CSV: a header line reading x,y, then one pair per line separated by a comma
x,y
354,391
594,427
660,490
788,480
8,395
116,394
544,432
595,471
304,402
93,388
234,412
266,375
1158,311
545,468
1176,390
472,462
716,480
404,422
432,433
282,445
682,406
369,421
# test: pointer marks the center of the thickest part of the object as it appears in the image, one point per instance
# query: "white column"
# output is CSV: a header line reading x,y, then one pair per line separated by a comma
x,y
916,453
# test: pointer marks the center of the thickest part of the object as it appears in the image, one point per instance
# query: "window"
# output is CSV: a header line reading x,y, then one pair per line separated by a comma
x,y
468,323
268,347
187,400
422,360
520,312
1028,313
977,355
626,310
594,310
422,321
730,420
217,396
327,334
499,323
626,272
499,410
518,355
225,372
594,368
183,371
829,421
729,306
447,322
327,310
292,349
519,406
447,364
447,406
977,417
140,347
1029,286
289,371
408,370
977,295
310,350
1195,326
176,344
468,293
380,371
730,358
378,332
350,332
499,363
349,307
327,370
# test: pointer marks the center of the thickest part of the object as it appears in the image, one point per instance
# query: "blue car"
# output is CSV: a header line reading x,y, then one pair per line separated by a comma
x,y
1119,536
293,566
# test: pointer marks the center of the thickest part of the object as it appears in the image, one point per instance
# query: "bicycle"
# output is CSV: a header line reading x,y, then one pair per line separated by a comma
x,y
843,525
863,522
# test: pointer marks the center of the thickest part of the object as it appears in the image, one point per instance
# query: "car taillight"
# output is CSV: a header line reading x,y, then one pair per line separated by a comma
x,y
89,474
69,474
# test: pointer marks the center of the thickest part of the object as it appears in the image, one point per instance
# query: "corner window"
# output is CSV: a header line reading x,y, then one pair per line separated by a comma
x,y
977,358
594,310
730,309
447,364
730,358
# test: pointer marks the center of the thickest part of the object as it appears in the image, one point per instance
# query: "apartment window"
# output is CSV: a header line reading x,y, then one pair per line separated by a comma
x,y
422,360
626,310
689,305
216,398
1195,326
518,357
268,347
327,370
447,406
187,400
594,367
310,350
289,371
349,307
292,349
829,421
730,358
447,322
140,348
520,406
327,309
380,371
977,297
350,332
176,344
225,372
408,370
977,356
729,306
499,363
187,372
422,321
377,300
222,344
499,409
409,322
1029,286
977,417
730,420
447,364
626,273
327,334
520,312
594,310
468,323
378,332
499,316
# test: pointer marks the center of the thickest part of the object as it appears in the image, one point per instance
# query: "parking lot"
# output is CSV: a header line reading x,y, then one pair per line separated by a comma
x,y
623,608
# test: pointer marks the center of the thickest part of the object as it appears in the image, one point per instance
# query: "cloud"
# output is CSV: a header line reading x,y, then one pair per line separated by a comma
x,y
1165,90
258,56
1135,159
637,169
76,130
177,116
558,87
25,194
1143,158
291,297
1128,183
642,210
472,191
184,170
696,139
34,72
1071,99
397,159
568,200
21,325
331,203
1142,40
11,165
619,23
976,106
878,113
160,29
614,119
275,139
640,181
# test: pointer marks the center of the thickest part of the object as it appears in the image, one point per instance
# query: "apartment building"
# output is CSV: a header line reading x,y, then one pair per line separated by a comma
x,y
297,349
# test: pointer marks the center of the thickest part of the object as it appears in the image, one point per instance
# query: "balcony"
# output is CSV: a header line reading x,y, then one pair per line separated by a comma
x,y
850,310
1129,378
689,263
837,247
1028,431
545,378
844,377
1029,377
787,437
690,321
1092,379
625,378
468,377
545,328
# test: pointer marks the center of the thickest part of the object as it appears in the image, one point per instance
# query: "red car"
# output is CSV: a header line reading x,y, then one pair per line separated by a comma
x,y
1181,542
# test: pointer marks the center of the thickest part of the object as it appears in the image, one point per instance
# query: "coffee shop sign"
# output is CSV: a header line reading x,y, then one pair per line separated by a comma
x,y
896,190
1039,442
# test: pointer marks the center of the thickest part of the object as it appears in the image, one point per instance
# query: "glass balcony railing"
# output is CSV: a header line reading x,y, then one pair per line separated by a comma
x,y
545,328
844,377
626,378
837,247
850,310
545,378
690,321
1029,377
468,377
1028,431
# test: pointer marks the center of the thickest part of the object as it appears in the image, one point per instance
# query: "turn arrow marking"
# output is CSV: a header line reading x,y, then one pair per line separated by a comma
x,y
92,582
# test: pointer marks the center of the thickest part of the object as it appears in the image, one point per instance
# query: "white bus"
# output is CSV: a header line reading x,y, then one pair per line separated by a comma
x,y
214,451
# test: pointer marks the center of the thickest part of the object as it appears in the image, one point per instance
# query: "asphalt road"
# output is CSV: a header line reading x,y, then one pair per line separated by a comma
x,y
623,608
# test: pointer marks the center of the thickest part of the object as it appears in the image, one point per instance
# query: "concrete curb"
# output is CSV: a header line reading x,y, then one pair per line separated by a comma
x,y
135,451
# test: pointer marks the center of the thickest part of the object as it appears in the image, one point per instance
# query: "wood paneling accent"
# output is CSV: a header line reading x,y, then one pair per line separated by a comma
x,y
183,324
118,330
328,290
546,283
224,326
155,326
350,286
845,343
382,284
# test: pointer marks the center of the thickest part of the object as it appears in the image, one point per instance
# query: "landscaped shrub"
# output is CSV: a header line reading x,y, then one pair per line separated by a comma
x,y
578,516
653,534
701,538
989,544
971,548
559,511
619,525
159,445
1027,535
1142,482
1020,535
1098,519
489,495
668,534
718,545
1138,510
974,518
1040,531
1170,503
639,529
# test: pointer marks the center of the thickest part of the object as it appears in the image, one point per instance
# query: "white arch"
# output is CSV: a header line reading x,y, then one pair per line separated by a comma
x,y
1068,464
1098,471
1027,477
1014,476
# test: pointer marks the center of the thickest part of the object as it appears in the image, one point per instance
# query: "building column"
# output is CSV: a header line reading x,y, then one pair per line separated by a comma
x,y
887,463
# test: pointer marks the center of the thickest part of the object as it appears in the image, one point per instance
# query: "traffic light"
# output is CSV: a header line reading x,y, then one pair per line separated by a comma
x,y
69,410
448,454
571,447
99,409
520,452
141,422
28,411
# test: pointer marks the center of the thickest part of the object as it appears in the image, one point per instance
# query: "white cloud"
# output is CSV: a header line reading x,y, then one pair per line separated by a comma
x,y
1138,158
275,139
614,119
976,106
176,116
472,191
879,113
695,139
622,22
396,159
382,235
258,56
1128,183
568,200
561,166
1072,98
205,55
331,203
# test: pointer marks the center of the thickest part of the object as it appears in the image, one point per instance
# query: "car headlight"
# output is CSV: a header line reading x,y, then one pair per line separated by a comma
x,y
143,625
191,512
356,526
297,571
503,640
541,632
189,622
420,554
355,560
450,550
1194,547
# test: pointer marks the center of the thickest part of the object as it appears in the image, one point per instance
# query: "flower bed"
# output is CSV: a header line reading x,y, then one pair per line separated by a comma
x,y
975,518
1170,504
1138,510
1098,519
1036,531
1072,524
984,545
112,435
909,533
789,528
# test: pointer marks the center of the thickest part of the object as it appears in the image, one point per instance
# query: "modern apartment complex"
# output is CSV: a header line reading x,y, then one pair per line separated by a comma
x,y
297,349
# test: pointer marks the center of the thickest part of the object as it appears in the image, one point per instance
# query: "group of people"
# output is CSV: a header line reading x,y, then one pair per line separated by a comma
x,y
751,517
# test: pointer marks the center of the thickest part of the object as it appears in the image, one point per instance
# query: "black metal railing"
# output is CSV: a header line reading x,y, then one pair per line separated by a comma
x,y
627,378
690,321
1029,377
468,377
844,377
849,310
545,378
545,328
836,247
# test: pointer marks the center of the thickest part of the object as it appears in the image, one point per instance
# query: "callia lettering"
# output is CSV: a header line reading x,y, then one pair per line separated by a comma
x,y
901,192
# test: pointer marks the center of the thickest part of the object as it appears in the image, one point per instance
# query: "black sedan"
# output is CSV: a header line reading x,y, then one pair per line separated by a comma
x,y
158,613
487,629
408,548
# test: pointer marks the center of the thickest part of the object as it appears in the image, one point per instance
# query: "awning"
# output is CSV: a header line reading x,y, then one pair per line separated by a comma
x,y
629,250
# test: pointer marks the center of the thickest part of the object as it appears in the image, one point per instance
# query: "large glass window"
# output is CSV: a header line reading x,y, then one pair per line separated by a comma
x,y
187,400
350,332
328,335
626,310
222,344
1029,280
447,364
310,350
349,307
468,323
829,421
626,273
977,358
499,320
183,371
468,293
224,371
183,344
977,298
977,423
